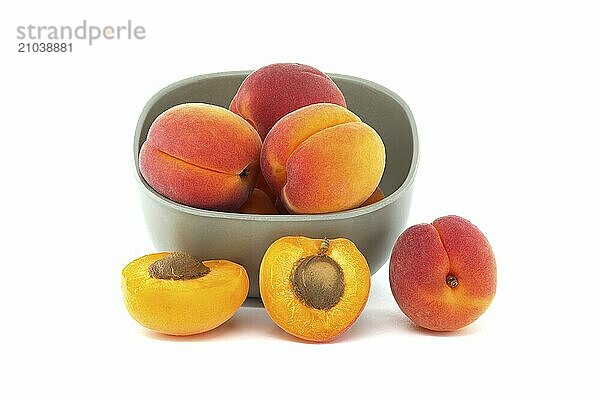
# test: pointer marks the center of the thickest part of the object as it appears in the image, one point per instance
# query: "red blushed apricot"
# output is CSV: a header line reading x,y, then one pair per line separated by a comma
x,y
273,91
258,203
314,289
201,155
194,186
321,159
443,275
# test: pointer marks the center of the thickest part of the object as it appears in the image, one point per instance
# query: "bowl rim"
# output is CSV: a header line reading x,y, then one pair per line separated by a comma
x,y
386,201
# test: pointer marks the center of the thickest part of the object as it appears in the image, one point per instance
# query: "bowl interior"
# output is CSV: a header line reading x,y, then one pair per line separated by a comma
x,y
375,105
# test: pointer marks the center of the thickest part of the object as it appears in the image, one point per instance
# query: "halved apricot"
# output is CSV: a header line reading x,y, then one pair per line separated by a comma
x,y
314,289
176,294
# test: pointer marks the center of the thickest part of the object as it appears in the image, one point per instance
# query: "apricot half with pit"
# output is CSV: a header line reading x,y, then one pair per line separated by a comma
x,y
314,289
176,294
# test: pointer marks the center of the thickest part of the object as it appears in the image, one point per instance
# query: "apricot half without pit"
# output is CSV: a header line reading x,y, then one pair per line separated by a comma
x,y
314,289
176,294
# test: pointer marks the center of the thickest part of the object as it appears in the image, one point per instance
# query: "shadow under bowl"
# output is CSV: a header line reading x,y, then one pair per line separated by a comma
x,y
244,238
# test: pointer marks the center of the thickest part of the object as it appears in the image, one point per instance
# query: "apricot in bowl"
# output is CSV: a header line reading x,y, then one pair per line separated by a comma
x,y
314,289
376,196
322,158
244,238
259,202
271,92
176,294
202,156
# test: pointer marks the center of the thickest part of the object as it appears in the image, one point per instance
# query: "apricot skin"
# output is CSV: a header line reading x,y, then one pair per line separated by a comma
x,y
290,132
183,307
261,184
322,158
423,259
275,90
202,156
289,312
374,198
258,203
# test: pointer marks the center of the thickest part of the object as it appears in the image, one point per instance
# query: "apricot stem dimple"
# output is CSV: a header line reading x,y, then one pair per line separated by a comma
x,y
178,266
245,172
451,281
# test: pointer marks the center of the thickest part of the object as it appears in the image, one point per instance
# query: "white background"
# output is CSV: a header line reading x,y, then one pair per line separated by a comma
x,y
506,101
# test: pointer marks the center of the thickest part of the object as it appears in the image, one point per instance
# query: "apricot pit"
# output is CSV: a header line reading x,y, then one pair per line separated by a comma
x,y
178,266
318,281
177,294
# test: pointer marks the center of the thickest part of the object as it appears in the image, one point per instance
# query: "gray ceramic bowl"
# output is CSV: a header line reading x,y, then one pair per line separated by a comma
x,y
243,238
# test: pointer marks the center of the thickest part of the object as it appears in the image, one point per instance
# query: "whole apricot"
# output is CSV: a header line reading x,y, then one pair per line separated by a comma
x,y
275,90
322,158
202,156
443,274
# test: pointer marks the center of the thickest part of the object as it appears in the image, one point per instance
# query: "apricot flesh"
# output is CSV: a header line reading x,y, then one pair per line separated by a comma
x,y
314,289
443,274
210,294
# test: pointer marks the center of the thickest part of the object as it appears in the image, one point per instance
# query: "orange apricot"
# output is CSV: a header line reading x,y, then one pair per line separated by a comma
x,y
258,203
175,294
314,289
374,198
321,158
202,156
262,184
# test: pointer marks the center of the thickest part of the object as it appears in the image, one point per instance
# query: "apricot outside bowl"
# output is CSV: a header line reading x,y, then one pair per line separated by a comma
x,y
244,238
